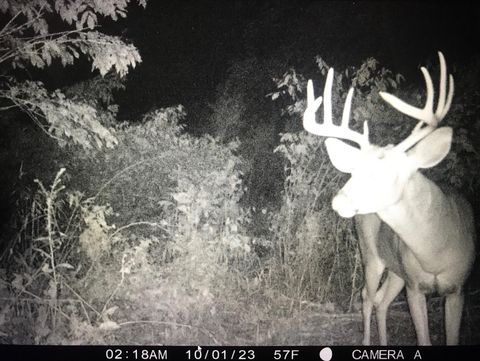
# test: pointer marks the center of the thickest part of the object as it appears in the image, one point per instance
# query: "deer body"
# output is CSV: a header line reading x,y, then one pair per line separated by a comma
x,y
428,245
437,230
423,258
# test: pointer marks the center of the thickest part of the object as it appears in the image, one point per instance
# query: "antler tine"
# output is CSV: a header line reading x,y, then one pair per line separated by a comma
x,y
442,106
328,129
426,114
443,82
327,96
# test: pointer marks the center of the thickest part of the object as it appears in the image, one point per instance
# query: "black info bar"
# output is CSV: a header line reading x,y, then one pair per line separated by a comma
x,y
234,353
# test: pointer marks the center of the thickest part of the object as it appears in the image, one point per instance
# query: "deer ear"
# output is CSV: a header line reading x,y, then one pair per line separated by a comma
x,y
432,149
344,157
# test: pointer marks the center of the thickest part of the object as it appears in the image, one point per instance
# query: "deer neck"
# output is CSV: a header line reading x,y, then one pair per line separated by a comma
x,y
417,216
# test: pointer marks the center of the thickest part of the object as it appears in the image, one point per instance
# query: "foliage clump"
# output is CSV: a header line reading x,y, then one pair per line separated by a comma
x,y
31,37
159,215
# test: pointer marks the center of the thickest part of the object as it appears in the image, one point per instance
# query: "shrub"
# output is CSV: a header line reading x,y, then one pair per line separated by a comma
x,y
158,218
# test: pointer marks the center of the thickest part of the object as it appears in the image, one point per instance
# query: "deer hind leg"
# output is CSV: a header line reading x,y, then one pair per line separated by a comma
x,y
453,316
373,274
390,289
417,303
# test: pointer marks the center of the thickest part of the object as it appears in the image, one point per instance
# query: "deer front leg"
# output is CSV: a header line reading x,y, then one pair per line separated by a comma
x,y
373,273
390,289
417,303
453,316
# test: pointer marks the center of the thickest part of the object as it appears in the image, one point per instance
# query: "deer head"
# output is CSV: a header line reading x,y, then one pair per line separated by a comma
x,y
379,175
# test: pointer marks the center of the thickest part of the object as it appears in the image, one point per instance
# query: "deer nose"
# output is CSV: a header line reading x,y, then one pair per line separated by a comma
x,y
343,205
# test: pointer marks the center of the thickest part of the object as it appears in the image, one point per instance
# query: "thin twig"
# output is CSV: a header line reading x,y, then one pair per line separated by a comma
x,y
8,24
151,224
80,298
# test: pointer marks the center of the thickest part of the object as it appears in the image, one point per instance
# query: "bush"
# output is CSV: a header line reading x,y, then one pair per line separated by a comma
x,y
315,251
158,219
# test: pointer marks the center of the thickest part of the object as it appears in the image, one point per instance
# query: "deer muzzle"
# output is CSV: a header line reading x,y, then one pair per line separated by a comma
x,y
343,205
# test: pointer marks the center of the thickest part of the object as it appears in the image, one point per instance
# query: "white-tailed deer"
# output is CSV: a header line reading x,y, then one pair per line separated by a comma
x,y
432,249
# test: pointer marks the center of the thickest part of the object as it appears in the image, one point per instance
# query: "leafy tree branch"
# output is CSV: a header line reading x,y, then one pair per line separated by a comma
x,y
28,39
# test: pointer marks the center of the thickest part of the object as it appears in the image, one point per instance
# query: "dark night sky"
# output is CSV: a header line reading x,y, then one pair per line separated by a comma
x,y
187,47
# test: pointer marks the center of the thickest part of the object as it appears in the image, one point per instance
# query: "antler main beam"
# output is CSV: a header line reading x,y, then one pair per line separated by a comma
x,y
425,115
328,129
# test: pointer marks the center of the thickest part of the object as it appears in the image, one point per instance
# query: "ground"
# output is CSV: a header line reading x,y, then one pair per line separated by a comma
x,y
306,327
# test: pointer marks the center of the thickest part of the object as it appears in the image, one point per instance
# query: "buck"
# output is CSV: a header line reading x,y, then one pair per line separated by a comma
x,y
431,247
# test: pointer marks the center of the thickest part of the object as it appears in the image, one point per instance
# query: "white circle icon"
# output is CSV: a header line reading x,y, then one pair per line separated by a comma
x,y
326,354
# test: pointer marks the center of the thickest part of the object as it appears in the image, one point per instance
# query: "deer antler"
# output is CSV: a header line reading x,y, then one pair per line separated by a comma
x,y
425,115
328,129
